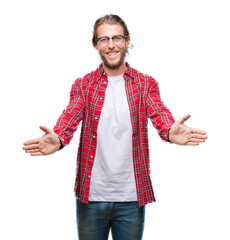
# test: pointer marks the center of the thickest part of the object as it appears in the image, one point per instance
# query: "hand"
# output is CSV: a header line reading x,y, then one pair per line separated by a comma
x,y
183,135
47,144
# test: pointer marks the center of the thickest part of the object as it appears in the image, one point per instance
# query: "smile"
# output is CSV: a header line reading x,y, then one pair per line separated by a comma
x,y
112,54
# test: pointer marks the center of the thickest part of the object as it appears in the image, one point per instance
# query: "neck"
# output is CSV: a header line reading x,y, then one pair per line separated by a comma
x,y
115,72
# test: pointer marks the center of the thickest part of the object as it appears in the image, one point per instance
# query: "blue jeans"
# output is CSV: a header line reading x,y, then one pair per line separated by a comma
x,y
95,219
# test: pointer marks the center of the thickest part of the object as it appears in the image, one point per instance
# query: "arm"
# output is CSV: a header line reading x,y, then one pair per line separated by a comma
x,y
70,118
64,129
159,115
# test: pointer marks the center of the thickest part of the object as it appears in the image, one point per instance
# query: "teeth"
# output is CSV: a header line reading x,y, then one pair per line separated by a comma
x,y
112,53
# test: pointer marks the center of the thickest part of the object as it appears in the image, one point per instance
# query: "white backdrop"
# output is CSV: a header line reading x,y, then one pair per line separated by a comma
x,y
46,45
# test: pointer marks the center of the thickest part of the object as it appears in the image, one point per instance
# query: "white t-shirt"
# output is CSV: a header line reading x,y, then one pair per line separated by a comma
x,y
112,176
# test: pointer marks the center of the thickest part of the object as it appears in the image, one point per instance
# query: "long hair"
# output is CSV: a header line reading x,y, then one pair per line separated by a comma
x,y
110,19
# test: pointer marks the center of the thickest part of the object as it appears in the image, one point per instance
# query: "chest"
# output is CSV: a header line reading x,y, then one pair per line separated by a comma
x,y
101,93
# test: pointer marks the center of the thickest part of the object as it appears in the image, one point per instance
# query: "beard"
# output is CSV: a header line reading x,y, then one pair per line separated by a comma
x,y
115,65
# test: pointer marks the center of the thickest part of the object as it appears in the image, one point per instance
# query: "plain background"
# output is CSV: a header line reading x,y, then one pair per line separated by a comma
x,y
46,45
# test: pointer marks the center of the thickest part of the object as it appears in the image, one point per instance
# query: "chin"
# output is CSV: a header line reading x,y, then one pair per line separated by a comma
x,y
113,64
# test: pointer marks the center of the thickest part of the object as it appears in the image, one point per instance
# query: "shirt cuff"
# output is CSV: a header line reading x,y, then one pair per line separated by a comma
x,y
59,137
168,135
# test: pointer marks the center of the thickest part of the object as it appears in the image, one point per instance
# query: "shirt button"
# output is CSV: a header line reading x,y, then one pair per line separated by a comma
x,y
95,117
101,98
93,136
104,82
91,156
89,176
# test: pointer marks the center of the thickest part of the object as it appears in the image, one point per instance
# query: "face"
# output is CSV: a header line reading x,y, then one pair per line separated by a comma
x,y
113,54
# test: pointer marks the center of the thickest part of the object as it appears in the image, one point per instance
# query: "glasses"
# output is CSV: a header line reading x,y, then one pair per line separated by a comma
x,y
117,40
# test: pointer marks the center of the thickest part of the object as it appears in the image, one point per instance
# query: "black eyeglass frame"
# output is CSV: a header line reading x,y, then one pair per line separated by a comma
x,y
108,38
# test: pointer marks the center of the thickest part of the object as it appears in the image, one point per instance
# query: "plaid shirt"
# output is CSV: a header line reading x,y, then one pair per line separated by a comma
x,y
86,101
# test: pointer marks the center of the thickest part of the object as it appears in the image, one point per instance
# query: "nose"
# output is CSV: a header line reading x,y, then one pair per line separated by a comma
x,y
111,43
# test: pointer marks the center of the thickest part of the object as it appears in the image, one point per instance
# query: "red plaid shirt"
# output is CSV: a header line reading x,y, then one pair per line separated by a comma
x,y
86,101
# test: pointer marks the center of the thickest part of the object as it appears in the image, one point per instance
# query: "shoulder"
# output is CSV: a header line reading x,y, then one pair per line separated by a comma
x,y
143,78
86,80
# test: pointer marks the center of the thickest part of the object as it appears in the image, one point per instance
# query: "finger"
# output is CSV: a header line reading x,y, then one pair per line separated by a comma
x,y
183,119
198,131
199,136
192,143
45,129
31,146
32,151
199,140
195,141
32,141
36,154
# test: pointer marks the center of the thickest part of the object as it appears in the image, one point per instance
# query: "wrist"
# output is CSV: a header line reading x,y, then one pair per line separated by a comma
x,y
169,135
61,144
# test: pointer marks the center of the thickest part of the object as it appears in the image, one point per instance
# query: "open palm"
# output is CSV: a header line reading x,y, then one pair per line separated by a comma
x,y
184,135
47,144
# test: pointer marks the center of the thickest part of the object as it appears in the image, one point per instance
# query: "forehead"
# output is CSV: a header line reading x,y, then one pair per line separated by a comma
x,y
109,30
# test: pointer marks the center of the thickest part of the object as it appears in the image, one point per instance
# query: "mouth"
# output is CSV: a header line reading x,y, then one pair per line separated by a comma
x,y
112,55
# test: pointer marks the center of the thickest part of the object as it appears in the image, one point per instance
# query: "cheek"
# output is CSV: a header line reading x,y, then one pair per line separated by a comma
x,y
102,50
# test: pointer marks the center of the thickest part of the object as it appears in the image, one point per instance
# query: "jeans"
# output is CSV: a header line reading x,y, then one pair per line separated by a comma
x,y
95,219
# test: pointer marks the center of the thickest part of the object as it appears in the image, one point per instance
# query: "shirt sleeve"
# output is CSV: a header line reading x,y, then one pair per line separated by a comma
x,y
70,118
159,115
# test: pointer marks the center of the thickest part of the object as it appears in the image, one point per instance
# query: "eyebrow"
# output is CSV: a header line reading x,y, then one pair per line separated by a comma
x,y
112,36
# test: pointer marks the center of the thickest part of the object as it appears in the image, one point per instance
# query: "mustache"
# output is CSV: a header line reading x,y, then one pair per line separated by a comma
x,y
111,51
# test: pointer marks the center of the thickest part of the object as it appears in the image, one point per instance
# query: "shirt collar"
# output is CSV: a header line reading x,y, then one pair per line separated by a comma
x,y
100,72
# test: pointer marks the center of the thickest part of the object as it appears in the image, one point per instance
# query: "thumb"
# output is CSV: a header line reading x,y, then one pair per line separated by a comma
x,y
45,129
183,119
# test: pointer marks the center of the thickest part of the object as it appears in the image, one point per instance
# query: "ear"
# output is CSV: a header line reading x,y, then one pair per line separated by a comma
x,y
127,40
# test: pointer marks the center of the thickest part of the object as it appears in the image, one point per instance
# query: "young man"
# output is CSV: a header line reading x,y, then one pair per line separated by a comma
x,y
114,102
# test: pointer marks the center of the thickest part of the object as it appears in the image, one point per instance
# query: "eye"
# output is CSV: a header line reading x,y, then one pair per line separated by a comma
x,y
117,38
103,39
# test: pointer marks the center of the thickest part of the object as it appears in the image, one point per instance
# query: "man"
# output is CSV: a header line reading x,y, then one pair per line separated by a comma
x,y
114,102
